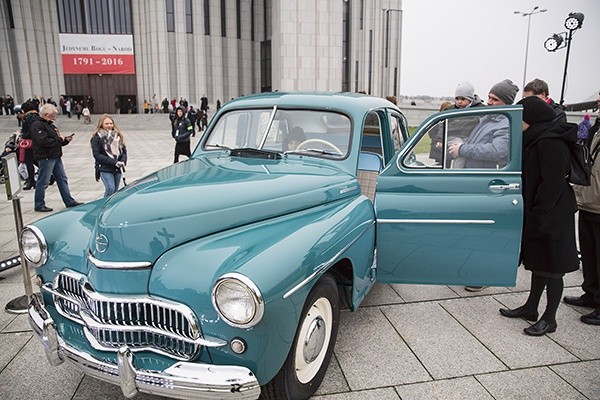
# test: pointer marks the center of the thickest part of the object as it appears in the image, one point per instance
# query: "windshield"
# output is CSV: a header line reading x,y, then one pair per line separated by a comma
x,y
304,132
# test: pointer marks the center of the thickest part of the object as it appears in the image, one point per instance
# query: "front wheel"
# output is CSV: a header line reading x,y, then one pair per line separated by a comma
x,y
307,362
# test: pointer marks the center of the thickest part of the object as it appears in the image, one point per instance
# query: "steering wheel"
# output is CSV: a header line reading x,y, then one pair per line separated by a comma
x,y
320,141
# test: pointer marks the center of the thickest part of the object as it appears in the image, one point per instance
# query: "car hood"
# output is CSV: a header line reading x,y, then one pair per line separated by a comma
x,y
202,196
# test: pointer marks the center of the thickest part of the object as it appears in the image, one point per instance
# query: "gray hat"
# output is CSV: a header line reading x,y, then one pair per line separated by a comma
x,y
505,90
465,90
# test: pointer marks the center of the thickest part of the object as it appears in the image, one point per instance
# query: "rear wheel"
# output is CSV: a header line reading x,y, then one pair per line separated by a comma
x,y
307,362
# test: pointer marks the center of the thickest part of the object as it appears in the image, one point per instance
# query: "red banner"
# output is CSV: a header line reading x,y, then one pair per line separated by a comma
x,y
98,64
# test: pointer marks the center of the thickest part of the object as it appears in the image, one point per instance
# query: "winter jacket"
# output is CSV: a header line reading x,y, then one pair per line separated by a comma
x,y
548,243
561,117
487,145
457,128
47,142
182,130
103,162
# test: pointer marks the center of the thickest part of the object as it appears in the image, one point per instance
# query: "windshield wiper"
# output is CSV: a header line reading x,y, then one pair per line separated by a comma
x,y
251,152
318,151
218,146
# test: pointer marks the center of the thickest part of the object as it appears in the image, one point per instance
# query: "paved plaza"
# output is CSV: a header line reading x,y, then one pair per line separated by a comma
x,y
408,342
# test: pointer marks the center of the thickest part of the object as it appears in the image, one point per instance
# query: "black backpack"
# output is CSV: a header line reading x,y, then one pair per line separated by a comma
x,y
582,161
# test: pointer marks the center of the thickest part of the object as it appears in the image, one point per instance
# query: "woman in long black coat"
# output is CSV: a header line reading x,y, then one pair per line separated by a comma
x,y
548,246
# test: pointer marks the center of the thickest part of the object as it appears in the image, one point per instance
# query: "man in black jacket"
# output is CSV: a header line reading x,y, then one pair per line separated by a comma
x,y
47,151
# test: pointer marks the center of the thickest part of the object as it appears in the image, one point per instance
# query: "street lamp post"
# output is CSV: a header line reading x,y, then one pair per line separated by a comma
x,y
536,10
559,40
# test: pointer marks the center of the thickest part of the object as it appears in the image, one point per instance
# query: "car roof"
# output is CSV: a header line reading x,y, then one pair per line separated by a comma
x,y
353,103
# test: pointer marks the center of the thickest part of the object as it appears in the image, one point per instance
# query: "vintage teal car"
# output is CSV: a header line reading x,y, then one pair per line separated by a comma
x,y
222,276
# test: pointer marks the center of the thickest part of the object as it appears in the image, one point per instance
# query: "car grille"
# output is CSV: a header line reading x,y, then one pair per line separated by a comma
x,y
139,322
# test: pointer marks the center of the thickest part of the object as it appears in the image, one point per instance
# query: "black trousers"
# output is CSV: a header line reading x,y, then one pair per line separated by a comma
x,y
182,148
589,245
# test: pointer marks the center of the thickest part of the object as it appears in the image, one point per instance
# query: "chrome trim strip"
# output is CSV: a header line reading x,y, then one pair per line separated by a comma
x,y
324,266
437,221
118,264
347,189
467,171
182,380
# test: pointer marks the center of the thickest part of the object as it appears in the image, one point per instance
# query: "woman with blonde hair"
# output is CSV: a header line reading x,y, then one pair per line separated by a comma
x,y
110,153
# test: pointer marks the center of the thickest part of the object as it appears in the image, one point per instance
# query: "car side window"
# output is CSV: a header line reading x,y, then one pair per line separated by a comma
x,y
371,140
463,142
396,124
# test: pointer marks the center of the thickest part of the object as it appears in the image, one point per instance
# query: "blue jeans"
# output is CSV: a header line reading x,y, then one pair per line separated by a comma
x,y
47,167
111,182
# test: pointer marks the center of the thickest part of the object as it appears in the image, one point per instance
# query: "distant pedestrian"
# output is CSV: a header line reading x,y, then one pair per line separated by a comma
x,y
583,129
203,123
218,104
153,104
68,104
78,109
9,105
86,115
204,103
181,132
90,104
62,102
47,151
192,115
110,154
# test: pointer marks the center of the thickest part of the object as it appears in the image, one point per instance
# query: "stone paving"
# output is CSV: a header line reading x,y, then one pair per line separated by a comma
x,y
405,342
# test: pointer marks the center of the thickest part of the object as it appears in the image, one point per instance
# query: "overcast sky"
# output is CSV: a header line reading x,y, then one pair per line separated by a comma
x,y
446,42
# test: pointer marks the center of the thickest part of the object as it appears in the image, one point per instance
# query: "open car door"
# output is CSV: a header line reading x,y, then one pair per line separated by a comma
x,y
453,220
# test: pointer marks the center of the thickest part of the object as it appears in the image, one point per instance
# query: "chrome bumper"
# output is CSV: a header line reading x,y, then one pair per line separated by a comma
x,y
183,380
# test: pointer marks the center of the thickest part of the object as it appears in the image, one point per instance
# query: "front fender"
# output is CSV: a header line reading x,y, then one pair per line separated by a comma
x,y
278,255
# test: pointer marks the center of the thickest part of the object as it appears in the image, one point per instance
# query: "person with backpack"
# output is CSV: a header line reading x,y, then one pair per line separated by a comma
x,y
548,246
588,201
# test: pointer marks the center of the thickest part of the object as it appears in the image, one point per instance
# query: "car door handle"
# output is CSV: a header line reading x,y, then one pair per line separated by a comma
x,y
503,187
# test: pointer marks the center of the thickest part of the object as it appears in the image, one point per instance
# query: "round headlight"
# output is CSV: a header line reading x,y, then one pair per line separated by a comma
x,y
33,245
238,300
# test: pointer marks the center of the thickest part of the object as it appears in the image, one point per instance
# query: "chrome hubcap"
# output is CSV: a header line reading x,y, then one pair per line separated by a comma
x,y
314,340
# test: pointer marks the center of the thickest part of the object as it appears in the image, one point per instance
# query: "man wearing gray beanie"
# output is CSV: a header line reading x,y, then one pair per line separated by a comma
x,y
488,144
504,91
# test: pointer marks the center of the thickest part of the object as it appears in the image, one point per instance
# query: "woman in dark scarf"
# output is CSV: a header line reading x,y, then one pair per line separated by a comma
x,y
110,153
548,246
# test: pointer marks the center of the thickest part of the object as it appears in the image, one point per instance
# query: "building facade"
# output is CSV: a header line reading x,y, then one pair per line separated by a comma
x,y
127,51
